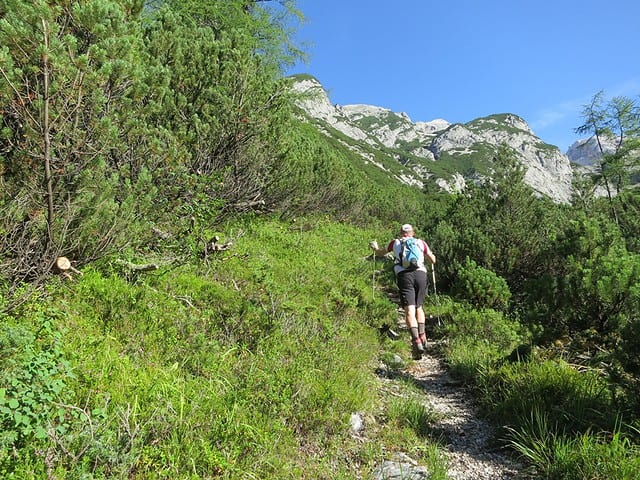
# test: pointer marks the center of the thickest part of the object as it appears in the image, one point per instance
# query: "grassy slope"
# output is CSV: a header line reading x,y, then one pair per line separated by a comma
x,y
249,365
245,366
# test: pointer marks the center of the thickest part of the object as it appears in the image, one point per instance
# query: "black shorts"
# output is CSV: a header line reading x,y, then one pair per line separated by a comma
x,y
412,285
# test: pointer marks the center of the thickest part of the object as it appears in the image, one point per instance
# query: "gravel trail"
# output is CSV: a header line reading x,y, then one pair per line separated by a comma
x,y
468,441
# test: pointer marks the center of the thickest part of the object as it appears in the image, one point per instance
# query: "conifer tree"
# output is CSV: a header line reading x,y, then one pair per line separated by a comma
x,y
615,122
68,73
226,103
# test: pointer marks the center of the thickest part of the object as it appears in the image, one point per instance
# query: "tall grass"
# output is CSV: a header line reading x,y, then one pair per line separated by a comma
x,y
248,366
560,419
574,402
559,456
414,414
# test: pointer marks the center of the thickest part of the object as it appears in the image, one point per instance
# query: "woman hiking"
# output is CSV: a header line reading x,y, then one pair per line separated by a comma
x,y
409,255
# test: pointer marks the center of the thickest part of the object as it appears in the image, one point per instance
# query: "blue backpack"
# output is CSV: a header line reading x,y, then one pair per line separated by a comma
x,y
410,255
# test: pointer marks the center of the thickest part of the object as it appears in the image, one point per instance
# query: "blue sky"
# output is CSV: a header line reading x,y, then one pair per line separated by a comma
x,y
464,59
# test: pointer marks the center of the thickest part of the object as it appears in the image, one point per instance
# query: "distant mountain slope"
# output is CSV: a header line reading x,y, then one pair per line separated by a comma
x,y
449,154
587,152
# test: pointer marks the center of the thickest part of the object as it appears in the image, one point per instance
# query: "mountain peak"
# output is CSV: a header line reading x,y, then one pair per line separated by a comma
x,y
450,154
505,120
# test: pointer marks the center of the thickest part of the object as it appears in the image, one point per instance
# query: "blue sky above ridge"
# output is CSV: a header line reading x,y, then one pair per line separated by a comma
x,y
464,59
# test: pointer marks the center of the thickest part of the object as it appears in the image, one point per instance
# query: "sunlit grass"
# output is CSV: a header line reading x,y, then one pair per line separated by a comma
x,y
556,455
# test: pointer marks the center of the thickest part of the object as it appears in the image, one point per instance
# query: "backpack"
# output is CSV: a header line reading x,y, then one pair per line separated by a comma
x,y
410,254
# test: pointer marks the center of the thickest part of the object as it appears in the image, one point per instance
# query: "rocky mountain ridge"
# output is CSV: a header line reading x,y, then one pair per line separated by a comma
x,y
449,154
586,152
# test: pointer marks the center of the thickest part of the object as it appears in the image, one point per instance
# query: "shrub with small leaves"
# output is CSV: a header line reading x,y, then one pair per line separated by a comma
x,y
481,287
33,378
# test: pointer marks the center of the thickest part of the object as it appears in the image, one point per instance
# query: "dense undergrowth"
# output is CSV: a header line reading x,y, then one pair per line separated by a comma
x,y
248,365
563,419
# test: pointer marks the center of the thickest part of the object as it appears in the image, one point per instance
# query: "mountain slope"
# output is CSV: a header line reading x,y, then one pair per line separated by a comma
x,y
588,151
448,154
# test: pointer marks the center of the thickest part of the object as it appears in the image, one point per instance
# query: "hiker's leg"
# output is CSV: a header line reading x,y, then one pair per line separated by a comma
x,y
410,320
408,300
417,349
420,286
420,319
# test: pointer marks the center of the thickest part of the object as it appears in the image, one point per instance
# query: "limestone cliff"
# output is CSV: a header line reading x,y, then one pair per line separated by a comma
x,y
449,154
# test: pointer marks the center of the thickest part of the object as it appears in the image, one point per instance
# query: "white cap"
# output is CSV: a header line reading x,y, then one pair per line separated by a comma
x,y
406,228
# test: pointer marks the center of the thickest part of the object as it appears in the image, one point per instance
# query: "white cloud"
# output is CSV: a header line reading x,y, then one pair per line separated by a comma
x,y
567,110
547,118
560,120
556,124
629,88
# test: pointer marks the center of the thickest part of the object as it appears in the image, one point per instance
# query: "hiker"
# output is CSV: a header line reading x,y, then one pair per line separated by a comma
x,y
411,279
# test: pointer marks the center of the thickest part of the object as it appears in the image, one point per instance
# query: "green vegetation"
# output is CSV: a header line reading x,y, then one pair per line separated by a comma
x,y
500,122
180,372
391,119
223,316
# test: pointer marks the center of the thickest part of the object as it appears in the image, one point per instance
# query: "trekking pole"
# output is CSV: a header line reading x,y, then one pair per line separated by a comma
x,y
374,246
373,278
435,294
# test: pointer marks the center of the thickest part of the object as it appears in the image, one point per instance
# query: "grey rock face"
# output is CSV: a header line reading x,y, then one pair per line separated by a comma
x,y
401,468
588,151
418,144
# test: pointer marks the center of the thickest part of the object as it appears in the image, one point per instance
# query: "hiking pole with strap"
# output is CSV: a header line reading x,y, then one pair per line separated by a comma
x,y
435,294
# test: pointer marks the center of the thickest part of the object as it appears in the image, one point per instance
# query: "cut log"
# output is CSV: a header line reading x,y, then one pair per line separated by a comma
x,y
63,264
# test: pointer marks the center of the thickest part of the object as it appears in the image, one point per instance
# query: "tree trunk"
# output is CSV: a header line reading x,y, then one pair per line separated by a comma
x,y
47,135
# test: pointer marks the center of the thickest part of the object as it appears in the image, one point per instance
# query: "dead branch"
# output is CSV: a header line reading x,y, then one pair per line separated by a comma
x,y
133,268
214,244
162,235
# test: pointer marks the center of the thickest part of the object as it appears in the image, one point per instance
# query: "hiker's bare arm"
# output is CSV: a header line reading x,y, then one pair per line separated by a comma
x,y
380,252
428,253
377,251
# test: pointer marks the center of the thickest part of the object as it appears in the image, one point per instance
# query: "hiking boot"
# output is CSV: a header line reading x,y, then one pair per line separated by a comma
x,y
417,349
